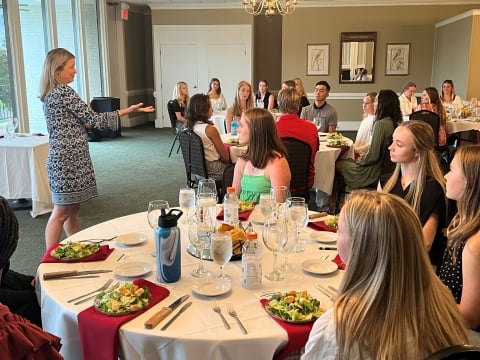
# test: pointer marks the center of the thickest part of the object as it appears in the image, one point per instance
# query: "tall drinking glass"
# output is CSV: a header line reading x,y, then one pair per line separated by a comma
x,y
274,237
199,235
279,196
296,212
207,207
266,205
186,200
221,251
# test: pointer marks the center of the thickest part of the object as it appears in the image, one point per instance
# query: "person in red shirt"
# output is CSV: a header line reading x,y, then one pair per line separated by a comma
x,y
290,125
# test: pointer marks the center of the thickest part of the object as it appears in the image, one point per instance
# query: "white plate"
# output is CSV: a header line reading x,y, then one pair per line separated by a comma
x,y
212,287
319,267
133,269
325,237
131,239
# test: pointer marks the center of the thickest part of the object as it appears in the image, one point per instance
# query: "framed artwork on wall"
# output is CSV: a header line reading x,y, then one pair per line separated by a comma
x,y
398,56
317,59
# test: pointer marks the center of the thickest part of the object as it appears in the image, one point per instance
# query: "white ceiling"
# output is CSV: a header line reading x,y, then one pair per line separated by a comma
x,y
231,4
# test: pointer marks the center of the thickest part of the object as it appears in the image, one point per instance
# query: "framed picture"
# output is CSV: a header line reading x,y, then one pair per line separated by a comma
x,y
317,59
398,56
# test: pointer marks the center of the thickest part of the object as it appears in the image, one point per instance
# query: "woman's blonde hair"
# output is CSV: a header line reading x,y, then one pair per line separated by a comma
x,y
264,144
432,93
177,94
391,305
371,95
288,101
54,62
237,106
466,221
423,143
299,86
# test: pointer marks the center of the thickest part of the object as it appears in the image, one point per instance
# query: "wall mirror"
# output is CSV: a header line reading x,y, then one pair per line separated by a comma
x,y
357,57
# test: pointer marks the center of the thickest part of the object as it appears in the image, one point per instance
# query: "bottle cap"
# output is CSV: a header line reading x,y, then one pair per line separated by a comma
x,y
230,189
252,235
169,220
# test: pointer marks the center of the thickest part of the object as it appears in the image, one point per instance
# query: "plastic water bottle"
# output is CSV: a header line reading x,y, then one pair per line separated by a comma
x,y
168,246
251,261
234,128
230,207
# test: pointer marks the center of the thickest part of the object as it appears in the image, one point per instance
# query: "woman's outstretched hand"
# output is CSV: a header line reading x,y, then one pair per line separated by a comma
x,y
139,107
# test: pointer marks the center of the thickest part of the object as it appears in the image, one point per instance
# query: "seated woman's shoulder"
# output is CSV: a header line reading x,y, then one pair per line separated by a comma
x,y
473,245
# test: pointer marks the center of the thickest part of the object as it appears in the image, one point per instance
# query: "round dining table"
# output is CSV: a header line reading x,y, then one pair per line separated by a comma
x,y
199,332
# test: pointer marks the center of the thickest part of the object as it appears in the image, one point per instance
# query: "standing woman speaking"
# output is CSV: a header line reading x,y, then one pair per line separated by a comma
x,y
69,166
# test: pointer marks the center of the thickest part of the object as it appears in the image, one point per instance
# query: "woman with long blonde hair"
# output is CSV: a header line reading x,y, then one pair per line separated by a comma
x,y
418,179
180,98
390,304
364,133
242,102
460,268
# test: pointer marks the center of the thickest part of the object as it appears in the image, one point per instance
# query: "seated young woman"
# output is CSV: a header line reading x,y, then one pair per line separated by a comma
x,y
364,133
264,164
390,304
430,101
198,113
419,180
460,269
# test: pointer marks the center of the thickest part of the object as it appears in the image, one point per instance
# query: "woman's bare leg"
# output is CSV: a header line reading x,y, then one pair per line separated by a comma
x,y
64,217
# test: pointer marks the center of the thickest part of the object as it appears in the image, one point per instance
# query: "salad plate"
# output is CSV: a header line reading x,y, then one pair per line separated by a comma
x,y
126,299
319,266
296,307
131,239
212,287
325,237
133,269
74,251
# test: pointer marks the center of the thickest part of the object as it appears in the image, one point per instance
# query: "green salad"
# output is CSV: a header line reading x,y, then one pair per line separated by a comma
x,y
337,142
332,221
122,300
334,135
295,306
74,250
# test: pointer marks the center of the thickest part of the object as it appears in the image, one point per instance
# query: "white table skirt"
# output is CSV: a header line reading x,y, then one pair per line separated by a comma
x,y
219,121
23,171
197,334
459,125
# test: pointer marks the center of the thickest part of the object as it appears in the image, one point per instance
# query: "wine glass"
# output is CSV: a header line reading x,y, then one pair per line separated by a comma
x,y
221,251
279,196
11,127
458,112
207,186
274,237
266,205
186,200
474,105
296,212
199,234
154,211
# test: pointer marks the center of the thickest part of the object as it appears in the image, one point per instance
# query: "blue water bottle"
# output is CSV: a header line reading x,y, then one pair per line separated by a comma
x,y
168,246
234,128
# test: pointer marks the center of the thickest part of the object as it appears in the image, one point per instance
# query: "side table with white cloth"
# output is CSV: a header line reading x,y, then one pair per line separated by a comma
x,y
218,119
23,171
198,333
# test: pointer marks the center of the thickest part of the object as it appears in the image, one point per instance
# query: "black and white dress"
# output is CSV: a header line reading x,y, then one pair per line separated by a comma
x,y
69,166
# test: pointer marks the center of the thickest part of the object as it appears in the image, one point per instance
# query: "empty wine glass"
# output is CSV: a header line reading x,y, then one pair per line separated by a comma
x,y
296,212
458,112
186,200
474,106
266,205
11,127
155,210
221,251
207,186
274,237
289,247
279,196
199,235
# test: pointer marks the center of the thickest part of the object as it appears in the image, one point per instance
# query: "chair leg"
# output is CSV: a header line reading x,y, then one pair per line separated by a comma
x,y
173,144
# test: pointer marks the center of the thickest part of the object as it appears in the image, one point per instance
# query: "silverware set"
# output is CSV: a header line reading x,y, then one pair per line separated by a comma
x,y
101,288
328,292
96,241
231,311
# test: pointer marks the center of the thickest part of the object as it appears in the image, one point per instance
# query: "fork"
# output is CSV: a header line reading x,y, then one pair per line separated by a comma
x,y
233,314
217,309
103,287
93,296
97,241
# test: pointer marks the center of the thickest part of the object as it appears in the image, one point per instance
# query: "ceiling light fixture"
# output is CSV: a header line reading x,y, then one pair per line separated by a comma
x,y
269,7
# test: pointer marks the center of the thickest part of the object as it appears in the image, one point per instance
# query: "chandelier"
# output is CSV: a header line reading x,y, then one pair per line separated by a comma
x,y
268,7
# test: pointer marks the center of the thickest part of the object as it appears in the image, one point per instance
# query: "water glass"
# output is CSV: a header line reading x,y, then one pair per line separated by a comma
x,y
221,251
266,205
279,196
199,235
207,207
186,200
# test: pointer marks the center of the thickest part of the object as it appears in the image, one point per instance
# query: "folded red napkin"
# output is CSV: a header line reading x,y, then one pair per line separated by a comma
x,y
242,215
339,262
102,254
320,225
297,335
93,325
227,147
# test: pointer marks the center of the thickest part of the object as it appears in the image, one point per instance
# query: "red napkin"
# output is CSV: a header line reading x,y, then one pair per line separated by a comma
x,y
102,254
93,325
227,147
297,335
339,262
320,225
242,215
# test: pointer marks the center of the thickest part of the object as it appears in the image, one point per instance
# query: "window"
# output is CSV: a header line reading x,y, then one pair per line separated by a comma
x,y
6,98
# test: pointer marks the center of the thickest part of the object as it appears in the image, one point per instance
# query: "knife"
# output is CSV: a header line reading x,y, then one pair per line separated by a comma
x,y
317,215
184,307
164,312
326,292
63,274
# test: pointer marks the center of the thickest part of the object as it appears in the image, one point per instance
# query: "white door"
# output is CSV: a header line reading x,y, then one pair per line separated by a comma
x,y
195,54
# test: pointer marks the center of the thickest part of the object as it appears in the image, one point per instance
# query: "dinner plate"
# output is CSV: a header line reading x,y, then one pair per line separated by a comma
x,y
326,237
212,287
88,250
287,320
319,266
131,239
133,269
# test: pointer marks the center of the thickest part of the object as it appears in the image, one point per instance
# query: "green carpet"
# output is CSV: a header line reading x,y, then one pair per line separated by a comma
x,y
130,171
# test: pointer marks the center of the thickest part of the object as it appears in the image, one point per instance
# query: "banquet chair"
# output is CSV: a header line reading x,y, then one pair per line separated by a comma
x,y
298,157
227,179
457,352
173,122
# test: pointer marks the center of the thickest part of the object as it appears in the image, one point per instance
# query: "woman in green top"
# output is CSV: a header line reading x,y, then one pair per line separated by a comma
x,y
264,164
365,171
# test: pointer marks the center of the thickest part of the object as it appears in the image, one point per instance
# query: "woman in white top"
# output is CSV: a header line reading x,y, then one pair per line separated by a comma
x,y
390,304
408,101
448,95
364,133
198,113
216,96
242,102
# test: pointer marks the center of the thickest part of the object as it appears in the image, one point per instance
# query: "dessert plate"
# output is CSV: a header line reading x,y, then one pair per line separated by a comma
x,y
212,287
131,239
325,237
133,269
319,266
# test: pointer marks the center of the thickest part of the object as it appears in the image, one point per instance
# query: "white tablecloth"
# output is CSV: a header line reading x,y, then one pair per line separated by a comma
x,y
199,332
218,119
23,171
459,125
